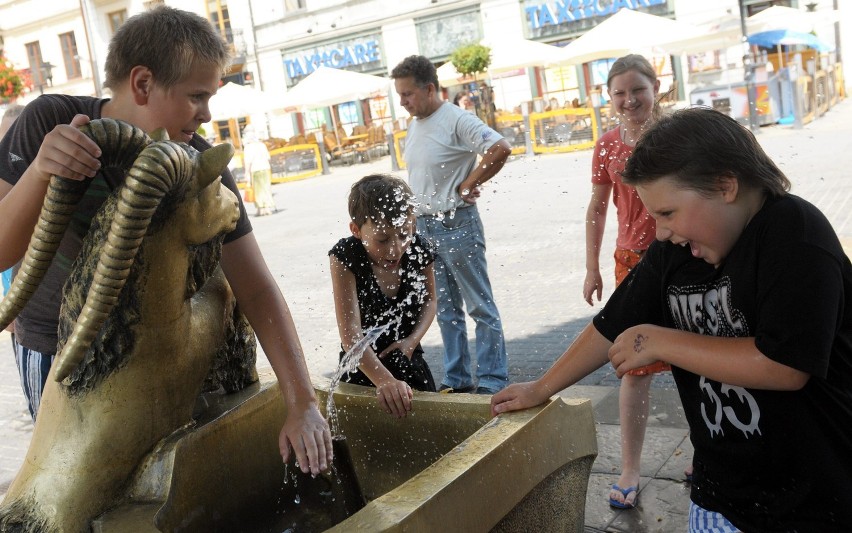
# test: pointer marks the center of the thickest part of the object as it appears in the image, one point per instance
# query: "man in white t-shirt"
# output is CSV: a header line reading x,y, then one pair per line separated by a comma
x,y
441,149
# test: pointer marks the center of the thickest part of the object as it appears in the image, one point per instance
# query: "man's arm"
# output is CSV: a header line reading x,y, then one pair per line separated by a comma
x,y
305,430
491,163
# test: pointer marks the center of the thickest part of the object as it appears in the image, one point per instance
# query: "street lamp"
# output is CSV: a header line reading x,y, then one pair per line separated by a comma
x,y
46,77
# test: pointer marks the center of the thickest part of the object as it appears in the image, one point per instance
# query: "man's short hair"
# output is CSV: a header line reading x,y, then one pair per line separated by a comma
x,y
419,68
169,42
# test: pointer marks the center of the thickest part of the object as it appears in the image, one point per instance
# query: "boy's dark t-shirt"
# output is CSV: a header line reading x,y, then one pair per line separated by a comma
x,y
767,460
37,324
401,311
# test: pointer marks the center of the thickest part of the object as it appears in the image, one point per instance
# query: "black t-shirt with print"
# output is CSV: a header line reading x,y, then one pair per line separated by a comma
x,y
767,460
36,325
401,311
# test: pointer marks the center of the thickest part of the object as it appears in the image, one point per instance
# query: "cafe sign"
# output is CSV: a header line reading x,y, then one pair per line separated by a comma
x,y
565,11
358,55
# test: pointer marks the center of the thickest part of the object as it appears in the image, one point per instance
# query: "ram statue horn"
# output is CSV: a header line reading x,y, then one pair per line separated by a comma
x,y
146,312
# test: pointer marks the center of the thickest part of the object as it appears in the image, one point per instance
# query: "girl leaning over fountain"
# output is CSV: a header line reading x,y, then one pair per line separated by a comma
x,y
383,276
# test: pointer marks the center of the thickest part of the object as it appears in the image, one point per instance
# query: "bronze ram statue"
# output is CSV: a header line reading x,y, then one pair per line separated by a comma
x,y
146,312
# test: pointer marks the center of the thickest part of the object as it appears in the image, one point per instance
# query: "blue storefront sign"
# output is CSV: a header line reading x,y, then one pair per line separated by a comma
x,y
566,11
356,56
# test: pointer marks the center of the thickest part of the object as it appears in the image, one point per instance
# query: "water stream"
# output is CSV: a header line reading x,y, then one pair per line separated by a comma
x,y
349,363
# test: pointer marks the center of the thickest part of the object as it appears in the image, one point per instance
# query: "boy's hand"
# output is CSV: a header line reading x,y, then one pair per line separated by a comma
x,y
394,397
306,433
515,397
67,152
635,348
406,346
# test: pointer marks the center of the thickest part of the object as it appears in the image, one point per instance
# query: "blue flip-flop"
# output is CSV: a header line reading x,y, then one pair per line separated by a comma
x,y
624,505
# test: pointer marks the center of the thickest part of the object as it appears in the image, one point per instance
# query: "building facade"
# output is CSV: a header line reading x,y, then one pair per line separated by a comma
x,y
277,43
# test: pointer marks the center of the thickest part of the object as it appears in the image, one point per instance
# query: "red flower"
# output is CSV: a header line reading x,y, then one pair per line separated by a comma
x,y
14,82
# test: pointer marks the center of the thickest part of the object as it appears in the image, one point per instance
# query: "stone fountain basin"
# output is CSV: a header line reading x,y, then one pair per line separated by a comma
x,y
448,465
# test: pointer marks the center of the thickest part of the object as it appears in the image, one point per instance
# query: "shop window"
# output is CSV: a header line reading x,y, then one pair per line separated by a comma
x,y
563,84
36,61
116,19
70,56
314,120
229,131
348,115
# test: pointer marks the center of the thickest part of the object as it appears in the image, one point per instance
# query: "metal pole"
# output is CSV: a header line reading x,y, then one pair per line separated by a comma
x,y
96,72
749,67
321,143
525,111
392,150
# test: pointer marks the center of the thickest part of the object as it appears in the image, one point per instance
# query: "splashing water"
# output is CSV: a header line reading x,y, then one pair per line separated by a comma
x,y
349,363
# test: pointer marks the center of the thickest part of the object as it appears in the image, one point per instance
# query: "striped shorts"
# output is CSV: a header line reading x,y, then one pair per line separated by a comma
x,y
703,521
33,367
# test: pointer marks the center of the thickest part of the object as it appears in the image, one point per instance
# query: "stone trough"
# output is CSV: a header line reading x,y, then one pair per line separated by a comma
x,y
447,466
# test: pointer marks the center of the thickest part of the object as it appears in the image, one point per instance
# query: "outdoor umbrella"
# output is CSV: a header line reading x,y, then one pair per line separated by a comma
x,y
328,86
233,100
448,75
789,18
511,54
774,38
506,55
626,32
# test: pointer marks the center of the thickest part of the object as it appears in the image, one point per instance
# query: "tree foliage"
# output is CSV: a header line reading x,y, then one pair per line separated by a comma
x,y
471,59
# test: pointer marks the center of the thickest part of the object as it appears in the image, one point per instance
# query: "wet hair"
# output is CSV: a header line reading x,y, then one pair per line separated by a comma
x,y
380,198
696,147
419,68
168,41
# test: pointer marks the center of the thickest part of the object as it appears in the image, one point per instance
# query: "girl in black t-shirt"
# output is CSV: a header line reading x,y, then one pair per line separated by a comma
x,y
747,294
383,275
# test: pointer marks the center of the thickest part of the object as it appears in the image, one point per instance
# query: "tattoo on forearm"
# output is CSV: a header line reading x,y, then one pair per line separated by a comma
x,y
638,344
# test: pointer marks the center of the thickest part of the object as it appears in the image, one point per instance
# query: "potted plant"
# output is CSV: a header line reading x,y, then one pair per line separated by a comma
x,y
13,83
471,60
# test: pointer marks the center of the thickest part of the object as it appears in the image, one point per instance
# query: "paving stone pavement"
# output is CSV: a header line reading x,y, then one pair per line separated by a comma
x,y
533,213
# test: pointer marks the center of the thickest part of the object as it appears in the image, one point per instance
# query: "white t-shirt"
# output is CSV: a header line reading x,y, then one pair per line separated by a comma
x,y
255,156
440,152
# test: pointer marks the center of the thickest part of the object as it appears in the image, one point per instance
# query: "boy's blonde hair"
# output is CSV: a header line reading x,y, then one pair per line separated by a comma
x,y
380,198
169,42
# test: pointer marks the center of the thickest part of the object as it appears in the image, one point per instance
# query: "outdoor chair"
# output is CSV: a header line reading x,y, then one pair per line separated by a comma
x,y
337,152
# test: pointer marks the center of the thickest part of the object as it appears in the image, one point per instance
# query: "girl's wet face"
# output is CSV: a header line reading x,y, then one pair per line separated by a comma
x,y
385,243
633,96
709,224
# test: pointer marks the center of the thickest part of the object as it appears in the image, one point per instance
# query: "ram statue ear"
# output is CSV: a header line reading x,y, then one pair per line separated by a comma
x,y
212,162
159,134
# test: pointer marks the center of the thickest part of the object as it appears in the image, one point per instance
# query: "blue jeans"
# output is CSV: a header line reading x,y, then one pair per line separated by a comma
x,y
461,280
